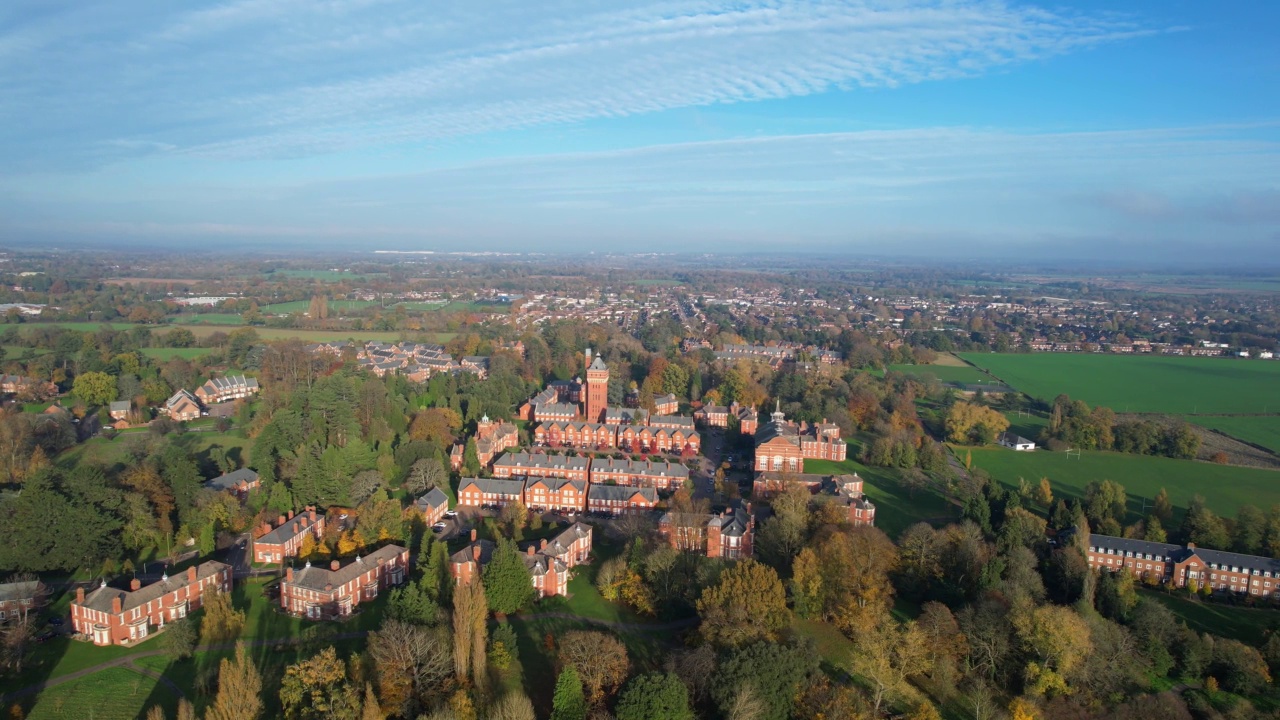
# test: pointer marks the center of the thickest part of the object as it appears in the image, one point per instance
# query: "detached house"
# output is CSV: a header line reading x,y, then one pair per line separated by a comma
x,y
731,534
332,593
433,505
120,409
110,616
182,406
18,599
239,482
232,387
274,545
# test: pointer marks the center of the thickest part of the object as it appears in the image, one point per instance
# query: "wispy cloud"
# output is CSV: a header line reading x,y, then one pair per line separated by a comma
x,y
272,78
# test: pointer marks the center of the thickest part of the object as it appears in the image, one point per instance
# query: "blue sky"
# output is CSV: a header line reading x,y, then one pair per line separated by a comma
x,y
957,128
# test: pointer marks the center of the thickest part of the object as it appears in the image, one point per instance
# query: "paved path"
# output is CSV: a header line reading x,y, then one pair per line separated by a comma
x,y
128,662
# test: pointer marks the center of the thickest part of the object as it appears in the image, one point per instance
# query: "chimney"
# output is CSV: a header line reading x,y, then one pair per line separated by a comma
x,y
475,551
530,550
80,596
266,528
473,534
1191,546
280,521
290,514
135,585
544,544
116,605
333,565
191,574
288,574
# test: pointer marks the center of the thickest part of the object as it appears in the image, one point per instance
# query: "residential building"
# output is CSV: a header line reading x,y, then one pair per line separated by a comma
x,y
333,593
718,416
657,474
1181,566
433,505
231,387
620,499
238,482
666,404
555,494
493,438
19,383
626,416
467,562
111,616
19,599
564,433
489,492
730,534
548,561
523,464
273,545
182,406
120,409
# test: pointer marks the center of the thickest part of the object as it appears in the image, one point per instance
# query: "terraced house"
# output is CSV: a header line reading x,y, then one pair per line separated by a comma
x,y
523,464
111,616
1187,566
618,500
332,593
231,387
657,474
273,545
489,492
554,494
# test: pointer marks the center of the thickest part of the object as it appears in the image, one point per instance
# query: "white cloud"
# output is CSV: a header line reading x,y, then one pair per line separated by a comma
x,y
267,78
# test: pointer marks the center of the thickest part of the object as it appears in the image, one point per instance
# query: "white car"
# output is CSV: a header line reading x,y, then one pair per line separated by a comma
x,y
439,527
451,514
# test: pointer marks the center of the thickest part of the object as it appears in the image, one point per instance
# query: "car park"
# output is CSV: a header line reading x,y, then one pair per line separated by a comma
x,y
439,527
451,514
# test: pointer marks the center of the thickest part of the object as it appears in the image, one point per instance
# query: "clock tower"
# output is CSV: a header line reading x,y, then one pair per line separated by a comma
x,y
597,395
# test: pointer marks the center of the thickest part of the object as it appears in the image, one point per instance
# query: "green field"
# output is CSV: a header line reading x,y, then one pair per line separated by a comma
x,y
1226,487
336,307
106,695
210,318
964,375
101,451
1142,383
458,306
1244,624
895,509
171,353
1263,431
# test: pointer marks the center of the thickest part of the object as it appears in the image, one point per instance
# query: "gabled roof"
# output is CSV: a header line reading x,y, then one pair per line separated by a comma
x,y
230,480
120,406
101,598
498,486
433,499
621,493
314,577
467,554
24,590
554,484
290,529
179,397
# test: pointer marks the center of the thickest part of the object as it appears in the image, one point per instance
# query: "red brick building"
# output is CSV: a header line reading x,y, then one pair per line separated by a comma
x,y
331,593
239,483
232,387
19,599
182,406
523,464
489,492
783,447
619,499
110,616
657,474
730,535
587,435
273,545
666,404
543,494
597,392
432,506
1182,566
548,562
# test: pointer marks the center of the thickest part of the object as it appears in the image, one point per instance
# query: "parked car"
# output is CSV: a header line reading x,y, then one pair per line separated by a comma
x,y
46,636
451,514
55,621
439,527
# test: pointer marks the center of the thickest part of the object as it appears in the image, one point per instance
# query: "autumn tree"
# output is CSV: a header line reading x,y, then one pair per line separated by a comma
x,y
970,423
95,388
1057,641
222,622
424,474
854,569
470,613
887,655
239,689
748,604
600,658
318,689
409,661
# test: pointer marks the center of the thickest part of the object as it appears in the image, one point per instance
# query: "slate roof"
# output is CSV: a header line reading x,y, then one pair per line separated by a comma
x,y
517,460
1178,553
433,499
467,554
598,364
621,493
499,486
120,406
101,598
25,590
554,484
178,397
313,577
656,468
230,480
279,535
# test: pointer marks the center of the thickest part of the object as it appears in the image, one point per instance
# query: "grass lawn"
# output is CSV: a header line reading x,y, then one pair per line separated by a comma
x,y
1263,431
17,352
266,333
107,695
1142,383
209,318
1247,625
963,375
163,354
1225,487
836,649
106,452
336,307
896,510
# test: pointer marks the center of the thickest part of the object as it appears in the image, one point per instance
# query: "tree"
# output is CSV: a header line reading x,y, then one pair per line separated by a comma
x,y
600,658
973,423
408,661
654,696
365,484
179,639
1057,641
371,710
239,689
95,388
1162,508
506,579
414,603
1043,494
515,705
773,673
318,689
470,611
748,604
568,702
888,655
515,516
222,622
426,473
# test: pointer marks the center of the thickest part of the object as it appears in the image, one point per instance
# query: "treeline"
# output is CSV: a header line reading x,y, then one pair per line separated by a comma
x,y
1073,424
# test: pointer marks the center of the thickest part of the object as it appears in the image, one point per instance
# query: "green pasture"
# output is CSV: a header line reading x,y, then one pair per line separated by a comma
x,y
163,354
266,333
1260,430
1225,487
963,375
210,318
113,694
303,306
101,451
458,306
896,510
1142,383
1247,625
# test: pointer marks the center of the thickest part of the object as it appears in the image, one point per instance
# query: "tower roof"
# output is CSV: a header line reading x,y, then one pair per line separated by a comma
x,y
598,364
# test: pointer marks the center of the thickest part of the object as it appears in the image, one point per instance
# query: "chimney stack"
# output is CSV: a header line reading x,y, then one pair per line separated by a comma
x,y
475,552
473,534
116,605
135,585
333,565
280,521
80,596
544,544
191,574
290,514
288,574
530,551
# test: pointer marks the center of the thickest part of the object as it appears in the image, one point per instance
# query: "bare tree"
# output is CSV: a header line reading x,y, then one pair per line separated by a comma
x,y
410,660
747,704
365,484
424,474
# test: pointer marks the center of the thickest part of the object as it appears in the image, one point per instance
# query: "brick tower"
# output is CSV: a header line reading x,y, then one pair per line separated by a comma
x,y
597,396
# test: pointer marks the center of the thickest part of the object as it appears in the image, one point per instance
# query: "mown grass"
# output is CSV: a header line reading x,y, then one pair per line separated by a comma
x,y
1248,625
1260,430
962,375
164,354
1225,487
211,318
114,693
265,333
1142,383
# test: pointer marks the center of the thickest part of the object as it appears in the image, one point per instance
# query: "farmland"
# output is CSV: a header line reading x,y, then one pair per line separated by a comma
x,y
1263,431
266,333
962,374
1145,383
1225,487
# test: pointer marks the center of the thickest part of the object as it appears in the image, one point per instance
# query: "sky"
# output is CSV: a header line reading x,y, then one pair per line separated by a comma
x,y
950,128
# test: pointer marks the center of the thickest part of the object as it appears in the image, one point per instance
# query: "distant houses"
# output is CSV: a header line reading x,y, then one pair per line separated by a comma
x,y
232,387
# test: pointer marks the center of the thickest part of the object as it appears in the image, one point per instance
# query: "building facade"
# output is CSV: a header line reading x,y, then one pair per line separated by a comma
x,y
729,535
277,544
489,492
1184,566
231,387
619,500
597,392
523,464
110,616
333,593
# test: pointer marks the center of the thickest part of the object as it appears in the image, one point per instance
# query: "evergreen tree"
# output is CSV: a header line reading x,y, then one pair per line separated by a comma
x,y
568,702
654,696
506,579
